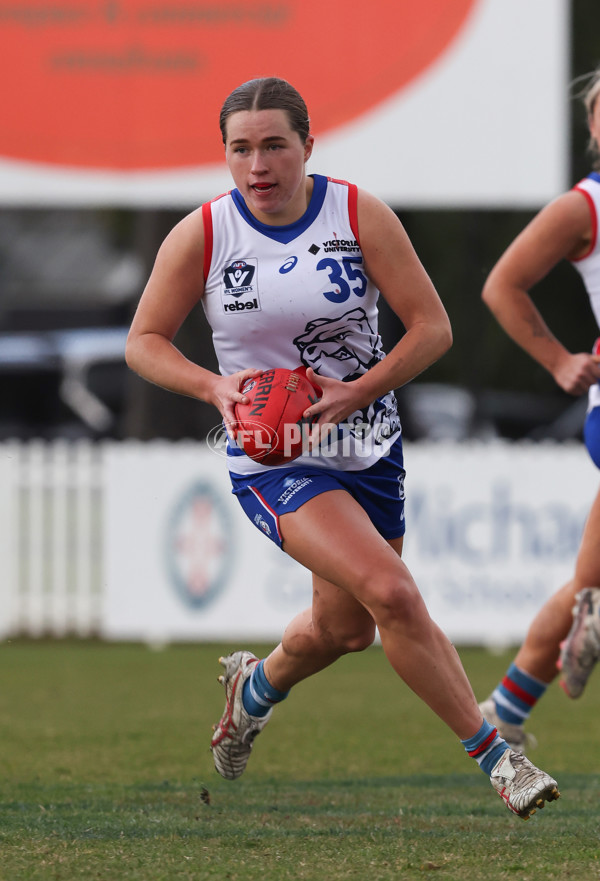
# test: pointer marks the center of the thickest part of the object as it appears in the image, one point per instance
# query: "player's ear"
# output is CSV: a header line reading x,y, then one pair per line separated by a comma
x,y
308,147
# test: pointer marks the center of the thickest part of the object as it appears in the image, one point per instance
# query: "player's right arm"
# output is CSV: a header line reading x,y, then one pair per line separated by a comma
x,y
561,230
175,286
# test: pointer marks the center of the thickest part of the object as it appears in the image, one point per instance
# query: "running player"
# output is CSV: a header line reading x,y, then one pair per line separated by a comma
x,y
565,634
289,268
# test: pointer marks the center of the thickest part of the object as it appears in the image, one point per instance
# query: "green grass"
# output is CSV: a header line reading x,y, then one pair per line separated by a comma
x,y
105,774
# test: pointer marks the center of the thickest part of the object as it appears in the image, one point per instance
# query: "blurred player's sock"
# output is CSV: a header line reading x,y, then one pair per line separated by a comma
x,y
486,747
259,695
517,694
516,737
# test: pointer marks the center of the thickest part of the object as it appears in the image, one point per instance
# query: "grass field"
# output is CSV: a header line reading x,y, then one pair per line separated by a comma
x,y
106,774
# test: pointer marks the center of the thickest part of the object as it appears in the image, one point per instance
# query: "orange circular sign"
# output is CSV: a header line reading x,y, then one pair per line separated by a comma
x,y
138,84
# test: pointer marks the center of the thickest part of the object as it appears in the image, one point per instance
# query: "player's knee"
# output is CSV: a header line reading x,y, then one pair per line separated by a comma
x,y
395,598
345,638
358,640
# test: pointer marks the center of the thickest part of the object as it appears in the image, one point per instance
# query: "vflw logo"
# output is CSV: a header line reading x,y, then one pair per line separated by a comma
x,y
240,289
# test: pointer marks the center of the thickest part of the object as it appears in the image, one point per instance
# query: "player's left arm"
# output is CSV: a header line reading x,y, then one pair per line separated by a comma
x,y
393,266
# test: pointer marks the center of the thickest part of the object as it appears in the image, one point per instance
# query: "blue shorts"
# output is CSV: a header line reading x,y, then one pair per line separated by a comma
x,y
591,435
378,489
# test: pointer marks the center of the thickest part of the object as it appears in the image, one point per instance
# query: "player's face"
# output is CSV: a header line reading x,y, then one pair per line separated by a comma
x,y
266,158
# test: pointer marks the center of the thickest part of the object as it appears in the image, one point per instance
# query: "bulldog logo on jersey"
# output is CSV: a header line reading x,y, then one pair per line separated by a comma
x,y
240,289
345,346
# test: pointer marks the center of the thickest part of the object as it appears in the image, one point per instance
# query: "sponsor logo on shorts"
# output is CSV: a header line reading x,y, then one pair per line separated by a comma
x,y
401,490
262,524
293,488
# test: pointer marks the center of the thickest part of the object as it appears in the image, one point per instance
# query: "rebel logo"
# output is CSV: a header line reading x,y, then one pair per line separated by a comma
x,y
239,306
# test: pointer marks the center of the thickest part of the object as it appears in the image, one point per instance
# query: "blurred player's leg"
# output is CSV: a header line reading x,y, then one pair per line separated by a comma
x,y
569,619
581,649
513,733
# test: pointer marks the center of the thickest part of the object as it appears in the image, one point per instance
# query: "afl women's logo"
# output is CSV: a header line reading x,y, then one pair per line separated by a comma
x,y
238,277
197,547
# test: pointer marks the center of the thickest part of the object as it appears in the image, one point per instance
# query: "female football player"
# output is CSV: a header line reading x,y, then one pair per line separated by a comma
x,y
288,268
566,229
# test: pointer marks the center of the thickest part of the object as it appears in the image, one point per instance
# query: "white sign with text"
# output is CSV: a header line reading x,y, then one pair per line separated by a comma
x,y
492,531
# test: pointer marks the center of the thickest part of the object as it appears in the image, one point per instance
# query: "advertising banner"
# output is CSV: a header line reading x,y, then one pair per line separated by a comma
x,y
441,102
492,531
182,560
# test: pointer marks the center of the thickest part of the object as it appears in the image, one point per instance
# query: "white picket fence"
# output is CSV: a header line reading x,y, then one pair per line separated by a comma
x,y
50,538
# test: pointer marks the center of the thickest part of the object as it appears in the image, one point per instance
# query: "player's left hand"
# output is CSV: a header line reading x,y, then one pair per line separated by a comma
x,y
338,401
576,373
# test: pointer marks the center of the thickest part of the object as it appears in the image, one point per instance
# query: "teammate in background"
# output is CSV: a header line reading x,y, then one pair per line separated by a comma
x,y
565,634
288,268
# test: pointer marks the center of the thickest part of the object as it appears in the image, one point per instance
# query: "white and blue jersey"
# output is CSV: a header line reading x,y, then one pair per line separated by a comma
x,y
588,267
297,295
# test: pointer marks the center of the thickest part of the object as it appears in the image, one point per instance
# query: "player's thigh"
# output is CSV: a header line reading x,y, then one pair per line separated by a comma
x,y
332,535
397,544
340,615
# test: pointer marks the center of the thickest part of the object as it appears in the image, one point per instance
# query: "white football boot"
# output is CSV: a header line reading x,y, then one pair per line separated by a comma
x,y
522,786
581,649
232,741
515,735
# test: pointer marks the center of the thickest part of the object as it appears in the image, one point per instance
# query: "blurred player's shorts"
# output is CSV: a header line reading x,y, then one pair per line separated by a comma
x,y
591,434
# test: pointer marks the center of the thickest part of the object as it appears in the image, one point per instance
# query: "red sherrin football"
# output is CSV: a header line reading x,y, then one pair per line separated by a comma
x,y
269,428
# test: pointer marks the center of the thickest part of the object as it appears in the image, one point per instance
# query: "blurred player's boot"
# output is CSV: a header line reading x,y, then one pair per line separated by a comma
x,y
521,785
515,735
581,649
234,735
